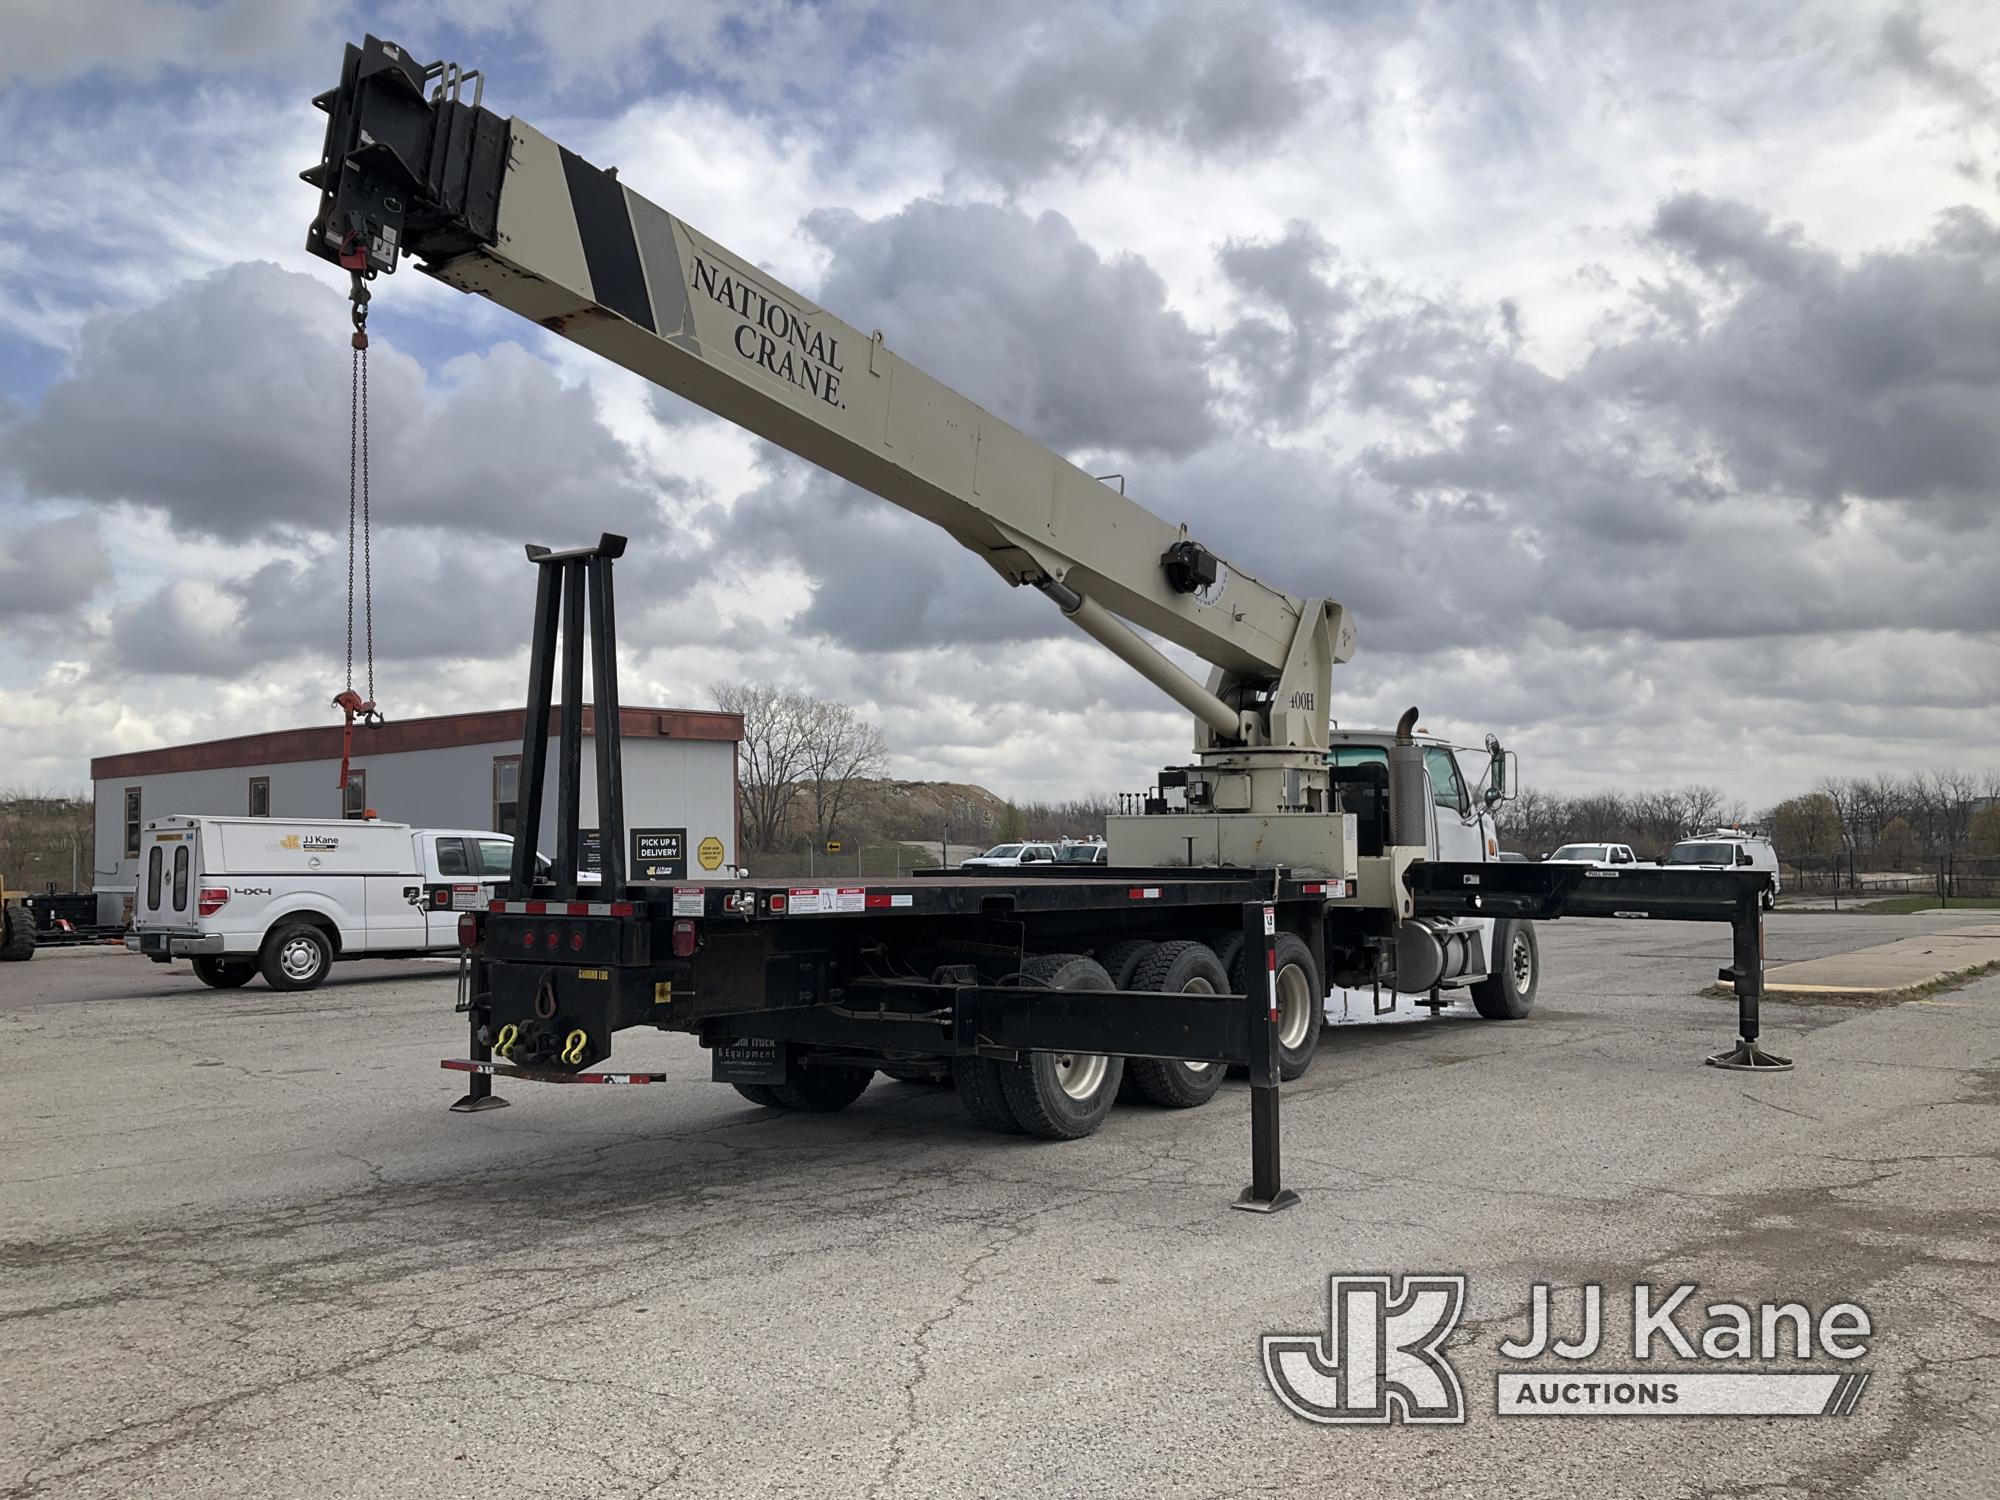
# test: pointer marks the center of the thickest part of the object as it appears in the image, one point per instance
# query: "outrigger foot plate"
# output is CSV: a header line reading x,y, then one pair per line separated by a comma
x,y
1748,1057
472,1104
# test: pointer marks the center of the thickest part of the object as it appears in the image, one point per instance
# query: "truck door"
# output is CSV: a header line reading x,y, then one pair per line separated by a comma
x,y
394,905
1460,834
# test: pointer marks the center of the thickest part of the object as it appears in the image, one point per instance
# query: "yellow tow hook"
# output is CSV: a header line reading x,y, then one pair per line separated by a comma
x,y
504,1043
574,1045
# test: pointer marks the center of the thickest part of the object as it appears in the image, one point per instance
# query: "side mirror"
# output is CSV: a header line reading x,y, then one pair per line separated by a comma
x,y
1503,772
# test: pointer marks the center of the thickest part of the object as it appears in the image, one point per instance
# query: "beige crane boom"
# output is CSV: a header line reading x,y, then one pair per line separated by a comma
x,y
412,166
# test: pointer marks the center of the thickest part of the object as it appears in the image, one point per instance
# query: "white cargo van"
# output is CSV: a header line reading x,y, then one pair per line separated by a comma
x,y
288,897
1729,849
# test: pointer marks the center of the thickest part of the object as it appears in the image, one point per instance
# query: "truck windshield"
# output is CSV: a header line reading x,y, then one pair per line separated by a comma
x,y
1581,851
1079,854
1002,851
1702,854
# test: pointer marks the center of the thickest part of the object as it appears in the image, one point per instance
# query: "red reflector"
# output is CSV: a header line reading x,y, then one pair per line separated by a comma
x,y
579,908
685,937
1316,890
877,898
468,930
551,940
576,942
534,908
527,940
621,908
212,899
777,903
496,905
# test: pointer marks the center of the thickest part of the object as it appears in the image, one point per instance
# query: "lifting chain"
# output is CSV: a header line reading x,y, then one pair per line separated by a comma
x,y
357,492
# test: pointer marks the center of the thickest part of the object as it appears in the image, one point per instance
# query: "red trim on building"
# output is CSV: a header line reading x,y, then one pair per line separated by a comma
x,y
445,731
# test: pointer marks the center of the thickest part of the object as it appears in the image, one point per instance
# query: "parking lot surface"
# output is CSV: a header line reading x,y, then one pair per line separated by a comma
x,y
248,1252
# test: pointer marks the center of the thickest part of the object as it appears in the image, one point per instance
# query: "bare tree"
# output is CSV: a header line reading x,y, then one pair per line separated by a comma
x,y
1807,830
841,748
777,736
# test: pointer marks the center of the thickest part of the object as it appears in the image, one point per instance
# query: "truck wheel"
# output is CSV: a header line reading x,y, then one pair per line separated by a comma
x,y
1178,968
761,1094
1121,960
1301,1001
17,934
296,956
1508,993
821,1091
1061,1096
1769,900
983,1095
225,973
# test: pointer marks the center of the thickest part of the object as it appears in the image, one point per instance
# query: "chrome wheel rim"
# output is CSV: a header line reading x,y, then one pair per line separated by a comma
x,y
1523,962
1080,1074
1295,1006
299,958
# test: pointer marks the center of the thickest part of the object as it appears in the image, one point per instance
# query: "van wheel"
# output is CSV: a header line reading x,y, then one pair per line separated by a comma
x,y
1301,1001
1769,900
295,957
1178,968
1062,1096
759,1094
1508,993
225,973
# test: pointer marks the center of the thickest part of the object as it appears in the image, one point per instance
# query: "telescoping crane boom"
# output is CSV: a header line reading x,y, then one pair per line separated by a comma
x,y
412,166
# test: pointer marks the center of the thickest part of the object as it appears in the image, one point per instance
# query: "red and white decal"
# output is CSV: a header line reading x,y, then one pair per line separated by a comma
x,y
1333,889
689,901
563,908
881,900
1143,893
805,901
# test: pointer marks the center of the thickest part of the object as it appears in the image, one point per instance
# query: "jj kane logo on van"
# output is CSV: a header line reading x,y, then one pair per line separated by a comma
x,y
324,842
1382,1358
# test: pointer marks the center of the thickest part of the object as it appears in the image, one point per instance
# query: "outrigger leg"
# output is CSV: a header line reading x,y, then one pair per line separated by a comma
x,y
1746,975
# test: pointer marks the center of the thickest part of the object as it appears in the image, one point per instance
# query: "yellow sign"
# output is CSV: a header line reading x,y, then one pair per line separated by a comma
x,y
709,852
663,992
833,846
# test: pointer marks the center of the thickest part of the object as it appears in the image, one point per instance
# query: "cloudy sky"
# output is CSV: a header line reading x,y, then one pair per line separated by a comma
x,y
1631,372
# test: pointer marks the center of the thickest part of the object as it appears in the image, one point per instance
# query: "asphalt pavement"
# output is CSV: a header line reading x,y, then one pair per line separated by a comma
x,y
246,1251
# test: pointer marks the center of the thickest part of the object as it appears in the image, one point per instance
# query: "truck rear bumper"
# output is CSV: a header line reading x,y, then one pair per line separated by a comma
x,y
165,945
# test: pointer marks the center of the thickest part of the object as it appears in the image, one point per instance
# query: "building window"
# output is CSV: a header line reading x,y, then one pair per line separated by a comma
x,y
354,801
506,793
131,822
260,796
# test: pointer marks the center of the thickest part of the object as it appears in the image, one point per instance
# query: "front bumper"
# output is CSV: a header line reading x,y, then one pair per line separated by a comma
x,y
162,946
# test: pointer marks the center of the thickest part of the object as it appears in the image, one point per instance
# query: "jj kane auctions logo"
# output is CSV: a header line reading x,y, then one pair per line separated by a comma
x,y
1382,1357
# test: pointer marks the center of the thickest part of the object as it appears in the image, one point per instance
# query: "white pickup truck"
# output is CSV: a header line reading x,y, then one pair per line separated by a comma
x,y
288,897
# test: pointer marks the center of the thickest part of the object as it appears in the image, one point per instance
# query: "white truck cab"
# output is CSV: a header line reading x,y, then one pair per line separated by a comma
x,y
1498,961
289,897
1601,855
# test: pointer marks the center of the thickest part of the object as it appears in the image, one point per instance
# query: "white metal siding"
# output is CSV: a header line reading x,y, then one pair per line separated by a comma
x,y
668,783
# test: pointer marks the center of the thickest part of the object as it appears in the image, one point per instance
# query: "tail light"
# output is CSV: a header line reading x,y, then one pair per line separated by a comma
x,y
686,938
468,929
211,900
576,942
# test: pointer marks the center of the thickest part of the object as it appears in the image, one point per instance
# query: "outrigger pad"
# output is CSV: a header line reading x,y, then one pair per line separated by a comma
x,y
1250,1203
472,1104
1748,1057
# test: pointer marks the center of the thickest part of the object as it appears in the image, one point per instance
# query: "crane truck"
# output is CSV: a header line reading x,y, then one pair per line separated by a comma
x,y
1283,857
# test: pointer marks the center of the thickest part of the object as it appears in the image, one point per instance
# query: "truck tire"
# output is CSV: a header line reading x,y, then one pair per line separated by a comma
x,y
1121,959
823,1091
295,956
17,934
1508,993
1063,1096
1177,968
225,973
1301,1001
983,1094
760,1094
